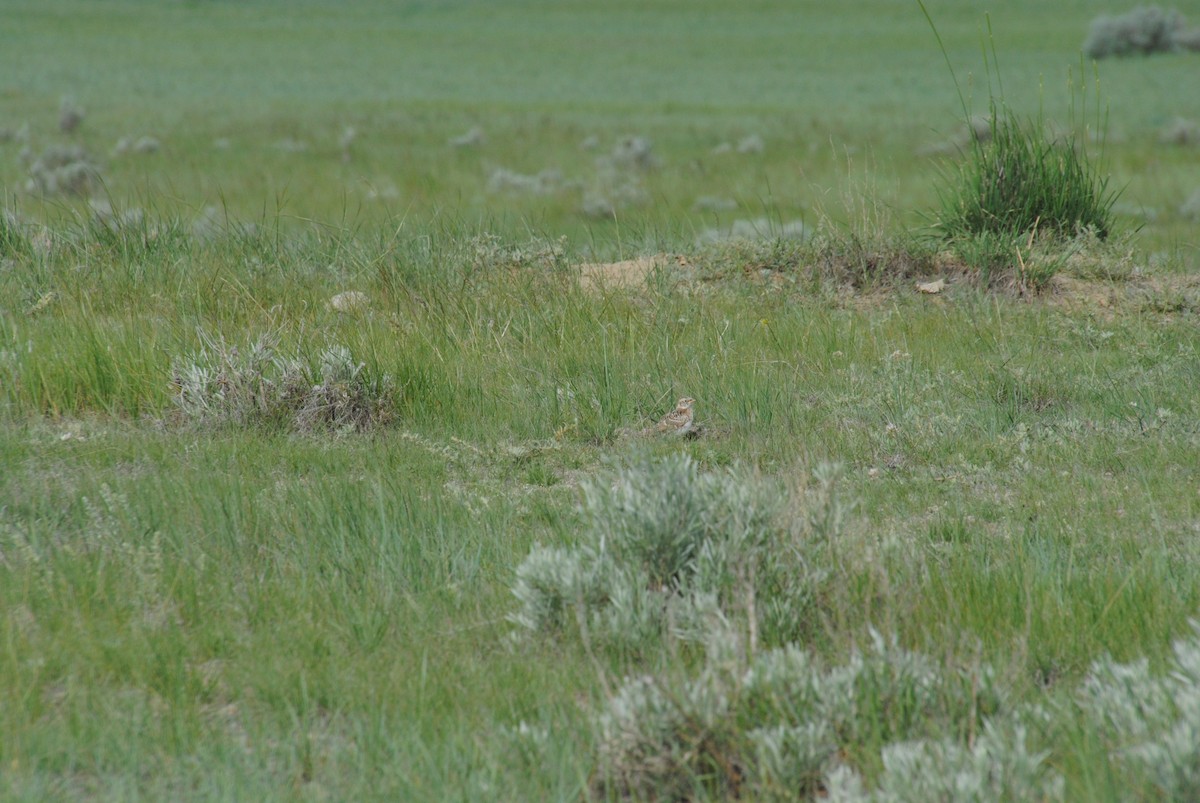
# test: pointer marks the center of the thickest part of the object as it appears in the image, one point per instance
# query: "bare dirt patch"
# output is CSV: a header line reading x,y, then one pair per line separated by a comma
x,y
629,274
1156,293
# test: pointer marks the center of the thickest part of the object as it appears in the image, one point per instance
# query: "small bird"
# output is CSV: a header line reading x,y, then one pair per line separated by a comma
x,y
677,422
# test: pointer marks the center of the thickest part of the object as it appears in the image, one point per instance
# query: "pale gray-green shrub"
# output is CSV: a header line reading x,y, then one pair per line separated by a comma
x,y
70,115
659,741
668,548
772,724
1144,30
788,759
259,386
998,767
1150,722
552,583
63,169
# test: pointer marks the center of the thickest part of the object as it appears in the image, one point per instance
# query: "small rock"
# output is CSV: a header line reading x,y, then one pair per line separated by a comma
x,y
473,138
349,301
751,144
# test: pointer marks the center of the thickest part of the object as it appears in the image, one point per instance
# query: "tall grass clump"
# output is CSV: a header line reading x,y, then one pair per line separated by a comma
x,y
1022,181
1017,184
14,242
130,235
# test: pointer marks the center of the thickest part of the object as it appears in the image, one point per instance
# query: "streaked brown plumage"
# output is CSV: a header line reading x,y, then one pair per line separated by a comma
x,y
677,422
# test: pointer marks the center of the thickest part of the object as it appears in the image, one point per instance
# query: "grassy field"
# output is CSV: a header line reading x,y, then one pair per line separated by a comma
x,y
249,102
263,540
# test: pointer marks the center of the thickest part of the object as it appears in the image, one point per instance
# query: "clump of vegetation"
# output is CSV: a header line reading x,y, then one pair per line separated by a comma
x,y
487,255
779,725
129,232
668,547
14,241
545,182
1142,31
1190,208
1017,185
70,115
63,169
617,182
710,558
1021,180
844,256
1180,131
260,387
758,229
1150,724
212,225
107,221
1020,195
998,766
139,145
471,139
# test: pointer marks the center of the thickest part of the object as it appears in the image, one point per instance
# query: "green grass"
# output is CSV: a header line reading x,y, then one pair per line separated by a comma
x,y
539,81
205,606
252,609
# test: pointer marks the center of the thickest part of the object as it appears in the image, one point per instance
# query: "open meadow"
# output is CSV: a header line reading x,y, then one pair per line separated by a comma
x,y
333,337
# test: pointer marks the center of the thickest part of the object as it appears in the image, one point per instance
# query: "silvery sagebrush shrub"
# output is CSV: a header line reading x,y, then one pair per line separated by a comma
x,y
787,685
773,724
258,386
663,741
1143,30
998,767
1151,722
688,529
226,384
63,169
788,760
342,393
1124,701
669,551
666,545
891,690
884,691
675,738
552,582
